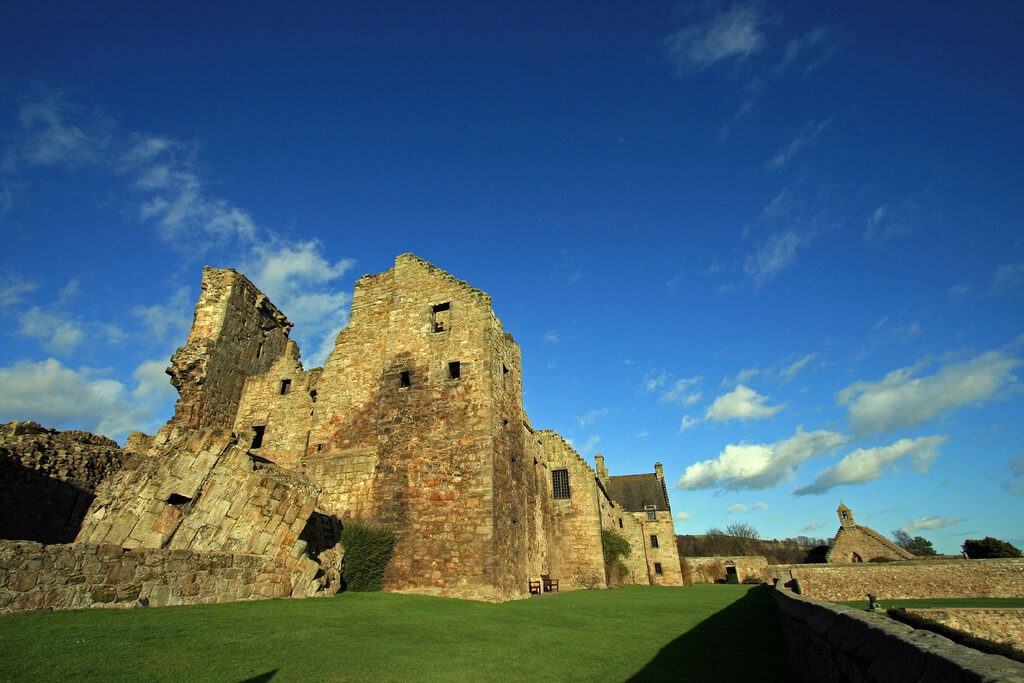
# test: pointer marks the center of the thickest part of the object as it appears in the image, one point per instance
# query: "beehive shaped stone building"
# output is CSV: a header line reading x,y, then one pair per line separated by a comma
x,y
415,421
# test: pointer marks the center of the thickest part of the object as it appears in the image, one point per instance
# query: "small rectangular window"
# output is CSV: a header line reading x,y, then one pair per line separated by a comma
x,y
652,514
257,436
440,318
657,568
654,541
404,379
560,483
286,386
454,369
312,396
620,522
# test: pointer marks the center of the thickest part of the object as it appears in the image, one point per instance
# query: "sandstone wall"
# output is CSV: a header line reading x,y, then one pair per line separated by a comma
x,y
712,569
236,332
34,577
857,543
997,625
836,643
627,525
913,579
666,554
48,478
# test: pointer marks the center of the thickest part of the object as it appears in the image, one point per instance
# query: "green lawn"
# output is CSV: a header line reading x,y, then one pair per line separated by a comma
x,y
637,633
941,603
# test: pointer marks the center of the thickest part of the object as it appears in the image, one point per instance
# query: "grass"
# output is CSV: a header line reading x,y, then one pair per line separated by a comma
x,y
942,603
637,633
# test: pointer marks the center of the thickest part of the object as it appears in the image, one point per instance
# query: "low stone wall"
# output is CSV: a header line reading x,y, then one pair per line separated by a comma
x,y
837,643
997,625
47,577
909,580
713,569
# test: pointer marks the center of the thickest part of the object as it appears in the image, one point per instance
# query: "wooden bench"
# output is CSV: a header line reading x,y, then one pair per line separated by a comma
x,y
549,583
534,587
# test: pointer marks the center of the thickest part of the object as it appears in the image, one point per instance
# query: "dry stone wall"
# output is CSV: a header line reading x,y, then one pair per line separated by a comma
x,y
996,625
63,576
913,579
713,569
48,478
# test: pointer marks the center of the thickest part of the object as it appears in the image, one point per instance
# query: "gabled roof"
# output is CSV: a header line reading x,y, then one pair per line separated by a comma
x,y
635,491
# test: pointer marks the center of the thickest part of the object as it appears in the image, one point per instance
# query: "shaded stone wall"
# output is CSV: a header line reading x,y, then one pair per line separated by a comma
x,y
34,576
913,579
712,569
836,643
998,625
47,479
627,525
857,541
236,333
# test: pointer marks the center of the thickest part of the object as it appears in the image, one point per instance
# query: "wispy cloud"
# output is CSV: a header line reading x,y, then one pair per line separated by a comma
x,y
760,466
688,422
810,51
13,289
551,337
589,418
743,403
867,464
903,398
760,506
1014,485
1006,277
682,516
789,372
807,136
733,35
685,392
890,221
930,523
738,507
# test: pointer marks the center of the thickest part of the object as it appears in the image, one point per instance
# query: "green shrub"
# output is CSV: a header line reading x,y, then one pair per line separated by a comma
x,y
881,559
615,547
367,552
989,547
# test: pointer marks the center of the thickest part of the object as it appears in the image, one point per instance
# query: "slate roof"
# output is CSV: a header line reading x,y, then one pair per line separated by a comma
x,y
634,491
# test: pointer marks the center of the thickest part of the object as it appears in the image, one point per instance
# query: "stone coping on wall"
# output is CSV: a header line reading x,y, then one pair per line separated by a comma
x,y
835,642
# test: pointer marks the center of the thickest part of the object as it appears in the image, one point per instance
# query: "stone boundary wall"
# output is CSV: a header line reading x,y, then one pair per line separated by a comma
x,y
909,580
836,643
1000,625
712,569
57,577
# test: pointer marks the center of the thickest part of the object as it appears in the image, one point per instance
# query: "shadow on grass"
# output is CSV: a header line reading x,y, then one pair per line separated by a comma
x,y
262,678
739,643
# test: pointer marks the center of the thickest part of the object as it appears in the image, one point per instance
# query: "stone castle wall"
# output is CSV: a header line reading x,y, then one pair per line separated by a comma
x,y
912,579
62,576
712,569
997,625
48,479
857,543
837,643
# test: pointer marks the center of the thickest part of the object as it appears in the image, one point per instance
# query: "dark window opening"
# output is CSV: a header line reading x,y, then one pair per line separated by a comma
x,y
560,483
441,317
312,395
257,436
178,499
286,386
404,379
620,522
504,422
259,350
652,514
454,369
654,540
504,369
657,568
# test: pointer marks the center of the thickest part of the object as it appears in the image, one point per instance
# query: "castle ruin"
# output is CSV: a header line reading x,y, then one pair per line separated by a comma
x,y
415,422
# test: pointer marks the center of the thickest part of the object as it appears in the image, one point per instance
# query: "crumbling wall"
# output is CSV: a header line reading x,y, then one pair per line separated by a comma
x,y
236,332
713,569
34,577
48,479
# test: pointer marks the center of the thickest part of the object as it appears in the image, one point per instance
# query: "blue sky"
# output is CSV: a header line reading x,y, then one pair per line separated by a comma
x,y
776,247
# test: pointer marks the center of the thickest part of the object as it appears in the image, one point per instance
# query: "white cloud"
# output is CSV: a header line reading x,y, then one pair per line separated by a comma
x,y
1015,484
551,337
1006,278
682,516
732,35
742,377
787,373
866,464
60,334
774,256
589,445
49,137
805,138
687,423
760,506
814,41
759,466
58,396
901,399
683,392
742,403
171,321
13,289
930,523
738,507
890,221
813,526
654,380
584,420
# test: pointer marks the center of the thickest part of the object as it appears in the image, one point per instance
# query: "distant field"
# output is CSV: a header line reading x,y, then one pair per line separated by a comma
x,y
941,603
638,633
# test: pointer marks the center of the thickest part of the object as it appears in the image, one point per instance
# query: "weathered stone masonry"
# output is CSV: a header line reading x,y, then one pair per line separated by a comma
x,y
415,421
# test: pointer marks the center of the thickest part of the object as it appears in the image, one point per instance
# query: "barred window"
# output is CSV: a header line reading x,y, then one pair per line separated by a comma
x,y
652,514
560,483
657,568
654,540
